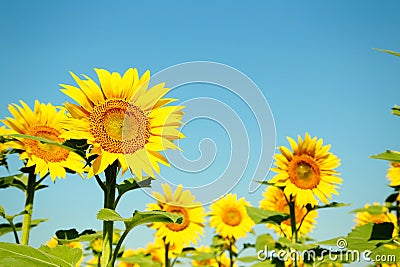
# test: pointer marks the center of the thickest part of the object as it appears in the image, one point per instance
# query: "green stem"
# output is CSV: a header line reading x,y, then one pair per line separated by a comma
x,y
109,198
292,209
230,252
30,193
167,263
14,229
118,246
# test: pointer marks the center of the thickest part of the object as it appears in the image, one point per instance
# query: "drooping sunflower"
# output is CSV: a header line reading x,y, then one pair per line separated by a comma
x,y
123,121
307,172
274,199
182,203
381,214
229,217
393,174
43,121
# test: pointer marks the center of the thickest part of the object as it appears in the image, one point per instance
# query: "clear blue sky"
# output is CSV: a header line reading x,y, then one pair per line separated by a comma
x,y
313,60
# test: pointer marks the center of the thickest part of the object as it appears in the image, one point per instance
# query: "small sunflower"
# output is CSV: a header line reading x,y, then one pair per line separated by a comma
x,y
393,174
123,121
229,217
43,121
182,203
383,216
307,172
274,199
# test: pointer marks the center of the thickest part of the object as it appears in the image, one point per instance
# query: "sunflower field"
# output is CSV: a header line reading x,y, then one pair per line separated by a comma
x,y
116,124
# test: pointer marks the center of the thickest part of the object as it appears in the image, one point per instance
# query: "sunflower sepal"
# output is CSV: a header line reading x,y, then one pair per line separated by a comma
x,y
260,216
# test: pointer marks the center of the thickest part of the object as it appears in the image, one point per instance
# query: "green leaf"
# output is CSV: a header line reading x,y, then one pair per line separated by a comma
x,y
139,217
132,184
5,228
260,216
202,256
72,235
332,242
20,255
143,217
248,259
2,212
265,241
388,51
18,181
385,254
46,141
141,260
388,155
396,110
359,238
330,205
373,210
109,215
285,242
392,198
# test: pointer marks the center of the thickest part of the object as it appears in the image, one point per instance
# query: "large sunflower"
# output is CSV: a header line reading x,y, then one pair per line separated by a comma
x,y
123,121
43,121
274,199
307,172
229,217
182,203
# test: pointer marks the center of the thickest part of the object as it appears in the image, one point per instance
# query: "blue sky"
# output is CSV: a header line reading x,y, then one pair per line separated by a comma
x,y
313,61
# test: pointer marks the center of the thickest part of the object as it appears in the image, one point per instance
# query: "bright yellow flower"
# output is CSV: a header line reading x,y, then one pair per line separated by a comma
x,y
93,262
365,217
393,174
307,172
44,121
182,203
274,200
123,120
229,217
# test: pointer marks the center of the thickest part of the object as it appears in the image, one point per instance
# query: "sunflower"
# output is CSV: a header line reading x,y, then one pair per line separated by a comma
x,y
307,172
229,217
44,121
123,121
382,215
182,203
274,199
393,174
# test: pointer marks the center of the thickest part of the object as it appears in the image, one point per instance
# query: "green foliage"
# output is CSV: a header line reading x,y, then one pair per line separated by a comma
x,y
139,217
396,110
260,216
388,155
6,228
373,210
330,205
388,51
12,255
72,235
265,241
141,259
132,184
19,181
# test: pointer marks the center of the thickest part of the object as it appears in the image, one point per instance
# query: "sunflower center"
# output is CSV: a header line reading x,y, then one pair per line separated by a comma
x,y
232,217
304,172
176,227
47,152
119,126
